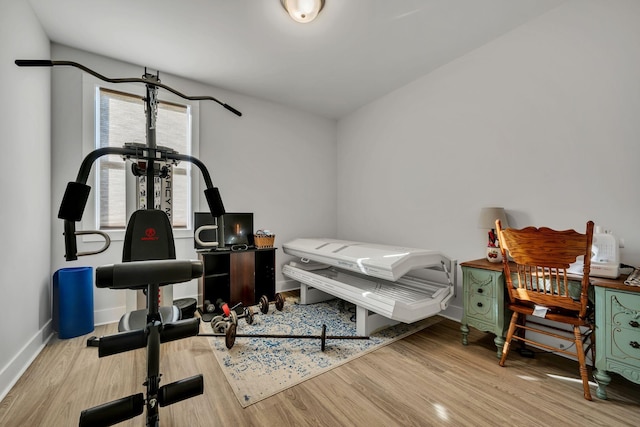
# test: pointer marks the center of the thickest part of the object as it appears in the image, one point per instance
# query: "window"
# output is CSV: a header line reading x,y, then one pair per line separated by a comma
x,y
118,119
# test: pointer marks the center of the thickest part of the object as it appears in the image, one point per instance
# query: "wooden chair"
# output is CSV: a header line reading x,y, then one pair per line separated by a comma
x,y
539,283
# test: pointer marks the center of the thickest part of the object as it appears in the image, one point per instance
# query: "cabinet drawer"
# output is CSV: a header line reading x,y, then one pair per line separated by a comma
x,y
482,282
624,323
625,310
625,345
481,307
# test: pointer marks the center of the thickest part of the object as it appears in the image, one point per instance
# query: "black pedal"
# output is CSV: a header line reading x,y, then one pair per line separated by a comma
x,y
121,342
114,412
181,390
93,341
180,329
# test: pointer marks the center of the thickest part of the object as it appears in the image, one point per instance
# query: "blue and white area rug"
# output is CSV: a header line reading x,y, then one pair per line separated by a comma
x,y
257,368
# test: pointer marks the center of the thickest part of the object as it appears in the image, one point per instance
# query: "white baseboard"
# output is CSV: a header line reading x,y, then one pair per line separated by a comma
x,y
110,315
11,373
287,285
453,312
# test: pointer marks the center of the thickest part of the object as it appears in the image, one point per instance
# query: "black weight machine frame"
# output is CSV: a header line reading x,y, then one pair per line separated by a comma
x,y
152,274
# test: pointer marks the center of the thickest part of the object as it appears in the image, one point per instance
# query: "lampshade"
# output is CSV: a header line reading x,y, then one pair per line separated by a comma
x,y
303,11
488,217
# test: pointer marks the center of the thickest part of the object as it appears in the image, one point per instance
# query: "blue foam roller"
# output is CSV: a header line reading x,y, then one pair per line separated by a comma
x,y
73,301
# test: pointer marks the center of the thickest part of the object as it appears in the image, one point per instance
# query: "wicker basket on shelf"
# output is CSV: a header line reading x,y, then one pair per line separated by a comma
x,y
264,240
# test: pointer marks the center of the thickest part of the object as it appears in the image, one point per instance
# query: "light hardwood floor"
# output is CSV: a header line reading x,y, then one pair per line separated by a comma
x,y
427,379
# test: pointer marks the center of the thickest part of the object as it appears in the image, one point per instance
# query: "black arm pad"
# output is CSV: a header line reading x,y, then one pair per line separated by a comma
x,y
74,200
142,273
215,201
113,412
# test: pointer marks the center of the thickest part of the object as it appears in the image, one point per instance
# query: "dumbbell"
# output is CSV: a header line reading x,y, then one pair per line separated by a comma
x,y
219,322
219,306
247,315
264,303
208,307
230,315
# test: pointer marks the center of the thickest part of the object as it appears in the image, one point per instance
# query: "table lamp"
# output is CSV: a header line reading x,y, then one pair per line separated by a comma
x,y
487,220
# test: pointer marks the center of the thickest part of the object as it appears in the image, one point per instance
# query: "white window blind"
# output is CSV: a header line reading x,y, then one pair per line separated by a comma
x,y
121,119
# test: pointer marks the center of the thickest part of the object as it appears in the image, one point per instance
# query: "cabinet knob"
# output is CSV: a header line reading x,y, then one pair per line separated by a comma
x,y
479,304
634,344
480,290
634,324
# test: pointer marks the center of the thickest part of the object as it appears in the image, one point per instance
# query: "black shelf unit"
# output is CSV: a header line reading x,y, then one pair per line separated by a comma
x,y
237,276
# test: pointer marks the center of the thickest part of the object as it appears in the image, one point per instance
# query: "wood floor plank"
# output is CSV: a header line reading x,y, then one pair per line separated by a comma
x,y
428,378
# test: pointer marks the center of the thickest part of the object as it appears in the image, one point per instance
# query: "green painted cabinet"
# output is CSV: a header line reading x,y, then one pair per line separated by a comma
x,y
484,300
617,334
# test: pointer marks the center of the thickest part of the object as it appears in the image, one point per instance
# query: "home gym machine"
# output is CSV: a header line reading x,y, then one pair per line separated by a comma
x,y
148,274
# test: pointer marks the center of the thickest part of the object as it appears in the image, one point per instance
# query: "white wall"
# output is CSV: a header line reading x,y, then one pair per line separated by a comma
x,y
24,192
543,121
273,161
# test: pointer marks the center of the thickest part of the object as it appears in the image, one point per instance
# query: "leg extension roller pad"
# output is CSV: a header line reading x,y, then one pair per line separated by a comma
x,y
132,340
114,412
181,390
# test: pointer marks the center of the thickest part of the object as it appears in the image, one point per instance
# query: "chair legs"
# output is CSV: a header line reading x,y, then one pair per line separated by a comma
x,y
510,332
580,353
582,360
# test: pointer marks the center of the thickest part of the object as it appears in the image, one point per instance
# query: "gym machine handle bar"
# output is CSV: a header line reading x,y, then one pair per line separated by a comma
x,y
49,63
76,194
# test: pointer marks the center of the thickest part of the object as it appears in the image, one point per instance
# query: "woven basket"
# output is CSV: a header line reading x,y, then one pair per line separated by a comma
x,y
262,241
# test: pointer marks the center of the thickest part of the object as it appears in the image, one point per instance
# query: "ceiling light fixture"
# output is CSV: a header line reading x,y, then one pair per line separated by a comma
x,y
303,11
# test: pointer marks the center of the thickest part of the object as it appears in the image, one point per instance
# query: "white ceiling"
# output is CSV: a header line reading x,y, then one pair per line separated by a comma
x,y
355,52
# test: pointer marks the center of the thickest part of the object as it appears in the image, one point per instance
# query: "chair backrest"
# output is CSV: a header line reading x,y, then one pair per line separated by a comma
x,y
148,237
542,257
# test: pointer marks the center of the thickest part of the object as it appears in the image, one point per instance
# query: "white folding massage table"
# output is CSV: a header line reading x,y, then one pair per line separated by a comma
x,y
388,284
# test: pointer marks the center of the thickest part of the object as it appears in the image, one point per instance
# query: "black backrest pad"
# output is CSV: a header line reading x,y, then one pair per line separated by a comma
x,y
148,237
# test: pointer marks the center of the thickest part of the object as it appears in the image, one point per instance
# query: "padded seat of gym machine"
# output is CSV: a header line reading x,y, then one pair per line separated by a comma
x,y
137,319
136,274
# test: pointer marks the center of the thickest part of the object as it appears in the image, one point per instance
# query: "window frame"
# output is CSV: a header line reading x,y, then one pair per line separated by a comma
x,y
90,135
